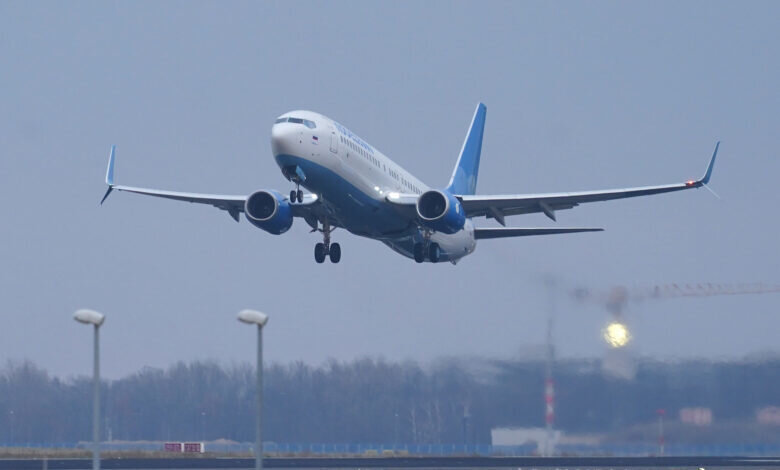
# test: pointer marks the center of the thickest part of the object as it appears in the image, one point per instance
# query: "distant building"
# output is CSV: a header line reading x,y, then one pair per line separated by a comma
x,y
769,415
513,437
618,363
696,416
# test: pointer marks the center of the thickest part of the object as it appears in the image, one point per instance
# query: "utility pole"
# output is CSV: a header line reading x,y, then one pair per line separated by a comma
x,y
661,439
549,384
466,416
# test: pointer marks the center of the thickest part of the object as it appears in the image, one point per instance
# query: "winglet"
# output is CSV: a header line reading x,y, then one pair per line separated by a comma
x,y
110,169
706,179
110,174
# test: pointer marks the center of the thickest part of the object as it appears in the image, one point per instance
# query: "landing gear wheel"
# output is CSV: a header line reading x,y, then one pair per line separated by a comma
x,y
419,252
300,196
434,252
293,195
335,253
320,252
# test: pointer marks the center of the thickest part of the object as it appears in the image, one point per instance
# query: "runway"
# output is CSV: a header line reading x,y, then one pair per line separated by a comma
x,y
519,463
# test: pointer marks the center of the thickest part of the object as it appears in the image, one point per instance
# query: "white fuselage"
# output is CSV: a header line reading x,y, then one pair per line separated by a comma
x,y
353,179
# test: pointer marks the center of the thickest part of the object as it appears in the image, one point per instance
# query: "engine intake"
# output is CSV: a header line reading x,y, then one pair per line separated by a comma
x,y
269,211
440,211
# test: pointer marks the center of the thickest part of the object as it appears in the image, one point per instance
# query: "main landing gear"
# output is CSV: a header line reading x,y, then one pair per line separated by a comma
x,y
327,249
426,248
296,194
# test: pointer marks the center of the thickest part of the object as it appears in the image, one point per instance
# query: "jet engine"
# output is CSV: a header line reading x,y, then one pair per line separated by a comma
x,y
269,211
441,211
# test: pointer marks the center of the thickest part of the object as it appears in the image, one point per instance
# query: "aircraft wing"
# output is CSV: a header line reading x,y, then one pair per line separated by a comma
x,y
498,207
234,205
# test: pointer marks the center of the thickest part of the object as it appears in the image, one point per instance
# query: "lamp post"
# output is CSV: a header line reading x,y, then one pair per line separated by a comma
x,y
90,317
253,317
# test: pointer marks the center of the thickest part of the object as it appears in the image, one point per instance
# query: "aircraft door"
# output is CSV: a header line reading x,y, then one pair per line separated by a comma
x,y
334,141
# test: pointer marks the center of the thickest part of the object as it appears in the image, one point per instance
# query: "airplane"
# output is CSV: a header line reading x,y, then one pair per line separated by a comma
x,y
355,187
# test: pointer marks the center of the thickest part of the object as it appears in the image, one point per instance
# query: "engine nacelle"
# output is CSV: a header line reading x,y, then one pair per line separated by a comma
x,y
269,211
441,211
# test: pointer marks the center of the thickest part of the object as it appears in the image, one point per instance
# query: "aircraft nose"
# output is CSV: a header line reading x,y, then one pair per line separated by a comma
x,y
283,139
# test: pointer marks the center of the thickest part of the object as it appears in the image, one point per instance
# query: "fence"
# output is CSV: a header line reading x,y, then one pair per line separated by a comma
x,y
713,450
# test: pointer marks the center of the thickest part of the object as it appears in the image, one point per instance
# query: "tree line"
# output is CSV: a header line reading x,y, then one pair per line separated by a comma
x,y
372,400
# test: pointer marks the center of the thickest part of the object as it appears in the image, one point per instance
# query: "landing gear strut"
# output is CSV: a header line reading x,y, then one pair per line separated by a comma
x,y
325,249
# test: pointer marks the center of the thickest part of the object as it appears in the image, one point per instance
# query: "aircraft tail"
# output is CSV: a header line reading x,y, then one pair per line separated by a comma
x,y
464,176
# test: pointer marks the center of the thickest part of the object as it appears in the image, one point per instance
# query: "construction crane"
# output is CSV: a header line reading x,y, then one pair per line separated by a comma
x,y
617,298
616,333
618,361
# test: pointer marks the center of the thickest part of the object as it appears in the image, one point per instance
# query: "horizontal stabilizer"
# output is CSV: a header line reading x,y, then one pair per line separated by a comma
x,y
483,233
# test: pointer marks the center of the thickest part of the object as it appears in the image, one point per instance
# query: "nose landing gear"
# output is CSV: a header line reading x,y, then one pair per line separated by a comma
x,y
295,174
327,249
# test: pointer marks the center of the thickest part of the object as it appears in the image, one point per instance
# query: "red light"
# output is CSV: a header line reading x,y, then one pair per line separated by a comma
x,y
690,183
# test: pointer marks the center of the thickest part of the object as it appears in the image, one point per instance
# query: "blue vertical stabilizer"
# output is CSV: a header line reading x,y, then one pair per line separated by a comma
x,y
464,177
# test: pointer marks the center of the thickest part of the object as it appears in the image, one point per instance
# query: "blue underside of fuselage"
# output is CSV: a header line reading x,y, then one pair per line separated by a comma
x,y
354,210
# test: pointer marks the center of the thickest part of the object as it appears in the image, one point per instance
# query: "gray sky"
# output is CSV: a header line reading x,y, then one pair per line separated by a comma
x,y
585,95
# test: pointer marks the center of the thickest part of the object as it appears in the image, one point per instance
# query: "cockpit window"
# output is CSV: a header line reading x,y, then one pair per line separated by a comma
x,y
305,122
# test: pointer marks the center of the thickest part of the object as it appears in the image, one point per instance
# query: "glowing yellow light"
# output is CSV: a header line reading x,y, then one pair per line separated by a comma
x,y
617,335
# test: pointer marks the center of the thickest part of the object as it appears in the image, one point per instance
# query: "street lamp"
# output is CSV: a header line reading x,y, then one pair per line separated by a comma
x,y
91,317
253,317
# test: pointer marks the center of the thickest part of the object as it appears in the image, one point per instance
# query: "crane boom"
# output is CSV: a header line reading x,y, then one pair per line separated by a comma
x,y
617,296
709,290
